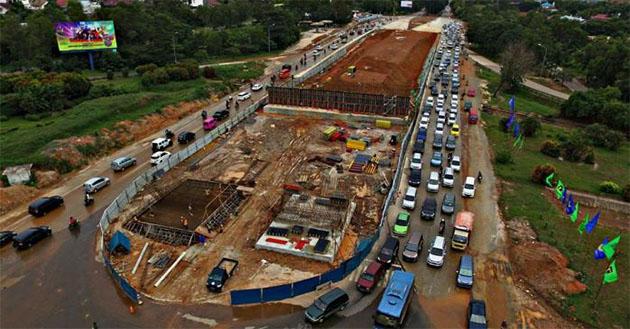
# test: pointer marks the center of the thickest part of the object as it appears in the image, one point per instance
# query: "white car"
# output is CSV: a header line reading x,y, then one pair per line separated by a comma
x,y
433,184
440,100
429,101
453,110
426,115
439,128
468,190
454,103
409,201
159,157
94,184
452,119
416,161
243,95
437,252
441,117
448,178
319,47
257,87
424,122
334,46
439,108
456,163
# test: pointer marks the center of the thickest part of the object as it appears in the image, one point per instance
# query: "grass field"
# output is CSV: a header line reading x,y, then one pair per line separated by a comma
x,y
522,199
526,101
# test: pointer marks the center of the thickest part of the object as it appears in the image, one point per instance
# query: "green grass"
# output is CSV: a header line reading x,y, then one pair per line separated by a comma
x,y
249,57
244,71
526,101
611,165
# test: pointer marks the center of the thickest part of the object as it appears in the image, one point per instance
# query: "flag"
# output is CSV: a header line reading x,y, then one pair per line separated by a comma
x,y
570,205
517,130
599,252
559,189
575,213
583,224
591,224
549,178
611,273
512,103
564,199
609,248
518,141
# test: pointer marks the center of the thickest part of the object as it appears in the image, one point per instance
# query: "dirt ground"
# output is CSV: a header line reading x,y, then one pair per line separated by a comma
x,y
419,21
379,69
266,153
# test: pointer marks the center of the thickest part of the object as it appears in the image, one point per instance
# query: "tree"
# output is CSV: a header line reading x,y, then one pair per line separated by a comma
x,y
530,126
516,60
541,172
75,11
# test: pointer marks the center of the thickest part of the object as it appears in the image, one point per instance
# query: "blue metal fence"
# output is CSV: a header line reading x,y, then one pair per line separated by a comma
x,y
272,294
304,286
246,296
122,283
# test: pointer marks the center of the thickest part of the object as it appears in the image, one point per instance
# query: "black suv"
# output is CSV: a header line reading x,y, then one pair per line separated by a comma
x,y
414,177
42,206
220,115
429,206
389,251
31,236
185,137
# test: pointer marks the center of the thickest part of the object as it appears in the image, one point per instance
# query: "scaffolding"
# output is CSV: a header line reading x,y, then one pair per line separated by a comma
x,y
230,199
328,213
160,233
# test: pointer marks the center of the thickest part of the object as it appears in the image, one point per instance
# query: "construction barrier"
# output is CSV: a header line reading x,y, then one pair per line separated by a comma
x,y
124,285
385,124
355,144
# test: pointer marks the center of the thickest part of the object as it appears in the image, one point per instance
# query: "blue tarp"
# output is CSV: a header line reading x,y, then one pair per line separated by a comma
x,y
120,242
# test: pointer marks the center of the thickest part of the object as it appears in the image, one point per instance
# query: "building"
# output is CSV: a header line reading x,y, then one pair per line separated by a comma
x,y
18,174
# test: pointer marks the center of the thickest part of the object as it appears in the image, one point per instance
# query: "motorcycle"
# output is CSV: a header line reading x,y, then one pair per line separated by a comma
x,y
169,133
479,177
204,114
73,224
88,200
442,226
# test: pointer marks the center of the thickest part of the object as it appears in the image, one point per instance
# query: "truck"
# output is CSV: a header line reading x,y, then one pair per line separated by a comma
x,y
285,72
462,230
221,273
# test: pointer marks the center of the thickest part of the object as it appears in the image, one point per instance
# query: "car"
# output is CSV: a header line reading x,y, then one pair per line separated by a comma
x,y
465,272
257,87
42,206
454,103
433,184
451,143
439,109
413,247
31,236
437,252
429,101
401,226
448,177
477,314
319,47
439,128
243,95
6,237
452,119
418,146
448,203
468,105
415,177
326,305
438,141
159,157
315,52
471,92
388,251
95,184
409,201
422,134
371,277
455,130
440,100
434,91
334,46
441,117
220,115
185,137
454,98
454,89
160,144
468,190
426,113
416,161
436,159
424,122
429,208
456,163
122,163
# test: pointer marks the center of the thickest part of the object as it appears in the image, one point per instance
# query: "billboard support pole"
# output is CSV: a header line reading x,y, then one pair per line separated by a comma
x,y
91,59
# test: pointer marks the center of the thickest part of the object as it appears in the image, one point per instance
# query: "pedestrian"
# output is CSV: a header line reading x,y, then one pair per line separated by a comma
x,y
236,105
296,67
441,170
504,324
94,325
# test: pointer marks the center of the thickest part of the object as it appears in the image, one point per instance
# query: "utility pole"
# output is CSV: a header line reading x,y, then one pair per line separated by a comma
x,y
544,58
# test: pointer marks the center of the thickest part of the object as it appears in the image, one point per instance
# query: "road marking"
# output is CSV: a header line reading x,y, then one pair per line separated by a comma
x,y
209,322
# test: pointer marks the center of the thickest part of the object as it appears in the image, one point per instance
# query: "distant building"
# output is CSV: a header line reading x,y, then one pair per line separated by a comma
x,y
573,18
18,174
600,17
4,6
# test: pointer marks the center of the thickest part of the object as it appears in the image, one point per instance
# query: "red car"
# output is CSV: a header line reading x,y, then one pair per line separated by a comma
x,y
471,92
370,277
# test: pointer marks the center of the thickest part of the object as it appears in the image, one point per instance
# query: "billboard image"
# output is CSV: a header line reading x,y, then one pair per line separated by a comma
x,y
83,36
406,4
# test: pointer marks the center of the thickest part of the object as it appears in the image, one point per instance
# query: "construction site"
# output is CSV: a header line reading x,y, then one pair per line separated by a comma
x,y
287,196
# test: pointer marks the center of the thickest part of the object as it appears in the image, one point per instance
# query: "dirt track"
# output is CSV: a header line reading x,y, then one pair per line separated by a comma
x,y
387,62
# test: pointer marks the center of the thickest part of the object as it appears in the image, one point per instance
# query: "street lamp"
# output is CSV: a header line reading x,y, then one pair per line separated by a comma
x,y
544,57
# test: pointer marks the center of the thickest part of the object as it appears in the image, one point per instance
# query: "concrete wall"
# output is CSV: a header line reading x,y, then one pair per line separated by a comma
x,y
595,201
330,115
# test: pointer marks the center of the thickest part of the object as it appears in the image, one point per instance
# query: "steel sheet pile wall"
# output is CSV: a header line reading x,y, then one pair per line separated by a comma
x,y
341,101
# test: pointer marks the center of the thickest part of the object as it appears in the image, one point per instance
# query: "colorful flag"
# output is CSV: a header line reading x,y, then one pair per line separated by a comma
x,y
564,198
510,121
583,224
591,224
611,273
609,248
599,252
518,142
517,130
512,103
575,213
549,178
559,189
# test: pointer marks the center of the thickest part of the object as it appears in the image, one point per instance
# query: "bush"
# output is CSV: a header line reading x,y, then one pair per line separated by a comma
x,y
3,118
577,147
156,77
142,69
541,172
74,85
200,92
177,73
530,126
125,72
610,187
105,91
192,67
626,193
208,72
550,148
603,136
502,124
504,157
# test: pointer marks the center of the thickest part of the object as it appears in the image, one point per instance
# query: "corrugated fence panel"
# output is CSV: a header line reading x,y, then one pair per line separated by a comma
x,y
332,275
304,286
247,296
277,293
352,263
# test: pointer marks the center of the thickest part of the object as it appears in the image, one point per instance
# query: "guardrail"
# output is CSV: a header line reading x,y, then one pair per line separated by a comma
x,y
114,208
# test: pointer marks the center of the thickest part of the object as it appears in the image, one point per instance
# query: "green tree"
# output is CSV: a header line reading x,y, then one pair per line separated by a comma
x,y
516,61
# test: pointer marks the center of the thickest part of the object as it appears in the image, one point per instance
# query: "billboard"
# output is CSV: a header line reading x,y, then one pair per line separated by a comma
x,y
84,36
406,4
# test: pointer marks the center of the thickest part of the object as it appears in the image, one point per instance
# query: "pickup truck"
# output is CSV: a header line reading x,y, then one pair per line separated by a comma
x,y
462,230
221,273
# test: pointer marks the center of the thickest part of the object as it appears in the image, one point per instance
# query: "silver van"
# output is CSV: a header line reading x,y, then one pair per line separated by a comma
x,y
123,163
413,247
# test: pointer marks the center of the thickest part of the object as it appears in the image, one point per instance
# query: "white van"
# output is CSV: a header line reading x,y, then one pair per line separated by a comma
x,y
433,184
409,202
437,252
468,190
448,178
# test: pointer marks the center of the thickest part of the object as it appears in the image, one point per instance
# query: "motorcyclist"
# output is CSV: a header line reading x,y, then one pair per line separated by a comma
x,y
88,199
204,114
73,221
479,177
